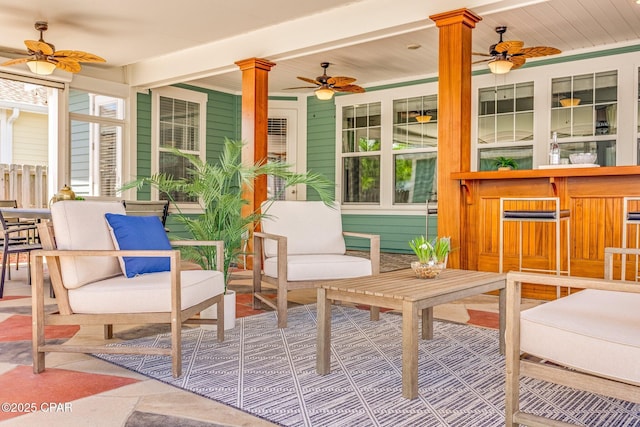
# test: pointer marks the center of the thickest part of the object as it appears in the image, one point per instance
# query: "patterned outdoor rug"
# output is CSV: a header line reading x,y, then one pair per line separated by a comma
x,y
270,373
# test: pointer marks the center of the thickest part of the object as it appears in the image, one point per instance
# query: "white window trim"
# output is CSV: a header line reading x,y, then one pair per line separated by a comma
x,y
386,98
185,95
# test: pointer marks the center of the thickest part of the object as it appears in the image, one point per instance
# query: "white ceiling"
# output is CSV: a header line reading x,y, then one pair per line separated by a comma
x,y
161,42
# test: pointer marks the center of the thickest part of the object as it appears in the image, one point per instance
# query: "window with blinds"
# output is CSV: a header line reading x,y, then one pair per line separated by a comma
x,y
277,129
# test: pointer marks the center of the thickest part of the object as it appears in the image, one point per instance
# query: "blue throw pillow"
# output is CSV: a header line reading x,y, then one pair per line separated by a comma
x,y
139,232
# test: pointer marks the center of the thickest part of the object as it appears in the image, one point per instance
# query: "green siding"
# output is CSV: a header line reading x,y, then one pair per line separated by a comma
x,y
395,230
321,144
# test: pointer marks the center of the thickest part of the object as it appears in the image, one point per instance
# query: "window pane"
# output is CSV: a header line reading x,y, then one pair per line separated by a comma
x,y
606,119
583,88
607,87
583,121
505,99
604,150
561,121
415,177
505,128
96,105
486,130
523,156
361,179
524,127
560,89
176,167
524,96
487,100
179,124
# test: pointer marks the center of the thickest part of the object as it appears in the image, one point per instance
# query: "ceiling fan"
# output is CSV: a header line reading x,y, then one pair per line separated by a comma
x,y
43,57
326,85
508,55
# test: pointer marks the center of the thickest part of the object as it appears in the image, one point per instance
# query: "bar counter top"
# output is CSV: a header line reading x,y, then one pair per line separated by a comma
x,y
549,173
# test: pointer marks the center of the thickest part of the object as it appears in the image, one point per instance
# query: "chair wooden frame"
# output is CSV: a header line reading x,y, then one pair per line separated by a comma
x,y
283,286
518,364
65,315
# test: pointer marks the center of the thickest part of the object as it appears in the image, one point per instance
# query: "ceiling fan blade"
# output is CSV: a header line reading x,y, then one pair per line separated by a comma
x,y
78,56
483,60
537,51
312,81
301,87
340,81
349,88
67,64
518,61
38,46
481,54
16,61
510,47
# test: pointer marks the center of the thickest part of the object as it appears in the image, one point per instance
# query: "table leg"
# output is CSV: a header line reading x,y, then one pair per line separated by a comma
x,y
427,323
409,350
502,298
323,346
374,313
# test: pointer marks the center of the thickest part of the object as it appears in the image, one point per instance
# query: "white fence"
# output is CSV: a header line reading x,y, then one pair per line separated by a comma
x,y
25,183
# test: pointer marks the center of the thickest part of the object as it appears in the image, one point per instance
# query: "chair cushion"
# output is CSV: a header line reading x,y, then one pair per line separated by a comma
x,y
320,267
139,232
81,225
310,227
147,293
593,331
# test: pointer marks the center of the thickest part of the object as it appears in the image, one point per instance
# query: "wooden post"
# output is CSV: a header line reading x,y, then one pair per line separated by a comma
x,y
255,109
454,122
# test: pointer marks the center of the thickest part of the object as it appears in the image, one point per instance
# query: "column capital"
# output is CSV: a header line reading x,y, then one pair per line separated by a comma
x,y
458,16
251,63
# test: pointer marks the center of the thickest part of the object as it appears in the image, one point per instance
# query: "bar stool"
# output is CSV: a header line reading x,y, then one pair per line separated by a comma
x,y
630,217
555,215
432,209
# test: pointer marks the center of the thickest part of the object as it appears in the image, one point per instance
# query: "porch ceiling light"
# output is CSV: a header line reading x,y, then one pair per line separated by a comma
x,y
324,93
43,68
500,66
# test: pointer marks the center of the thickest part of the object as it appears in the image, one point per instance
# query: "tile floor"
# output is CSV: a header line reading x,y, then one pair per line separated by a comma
x,y
79,390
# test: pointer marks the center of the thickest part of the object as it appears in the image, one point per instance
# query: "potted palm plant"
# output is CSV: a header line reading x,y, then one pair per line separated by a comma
x,y
505,163
217,189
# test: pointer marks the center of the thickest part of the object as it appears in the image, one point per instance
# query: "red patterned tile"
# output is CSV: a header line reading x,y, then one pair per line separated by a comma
x,y
483,318
21,386
18,328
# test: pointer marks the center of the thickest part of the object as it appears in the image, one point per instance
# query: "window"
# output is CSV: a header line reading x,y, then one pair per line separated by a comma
x,y
584,111
180,124
505,121
361,151
415,145
97,123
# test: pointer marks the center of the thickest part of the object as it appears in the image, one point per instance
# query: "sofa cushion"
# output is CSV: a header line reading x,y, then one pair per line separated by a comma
x,y
310,227
320,267
146,293
81,225
593,331
139,232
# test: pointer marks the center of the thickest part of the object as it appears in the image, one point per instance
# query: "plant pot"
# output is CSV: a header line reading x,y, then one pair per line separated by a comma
x,y
429,270
504,168
229,312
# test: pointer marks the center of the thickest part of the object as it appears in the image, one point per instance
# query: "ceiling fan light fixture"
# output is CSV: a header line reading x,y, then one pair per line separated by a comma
x,y
42,68
500,66
423,118
324,93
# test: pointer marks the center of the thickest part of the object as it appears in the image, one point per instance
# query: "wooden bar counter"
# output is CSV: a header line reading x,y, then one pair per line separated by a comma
x,y
594,196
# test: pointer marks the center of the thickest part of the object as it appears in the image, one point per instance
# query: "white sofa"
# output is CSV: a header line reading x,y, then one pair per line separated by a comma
x,y
90,287
303,243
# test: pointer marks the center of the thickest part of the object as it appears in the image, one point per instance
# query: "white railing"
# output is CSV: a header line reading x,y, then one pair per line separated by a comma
x,y
27,184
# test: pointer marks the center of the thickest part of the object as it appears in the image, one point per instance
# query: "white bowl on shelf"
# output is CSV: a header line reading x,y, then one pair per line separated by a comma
x,y
582,158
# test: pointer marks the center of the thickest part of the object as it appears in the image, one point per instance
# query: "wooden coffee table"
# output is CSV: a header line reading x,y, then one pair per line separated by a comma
x,y
401,290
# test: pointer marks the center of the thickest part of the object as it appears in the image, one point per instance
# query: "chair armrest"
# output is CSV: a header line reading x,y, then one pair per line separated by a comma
x,y
374,248
573,282
16,229
281,248
262,236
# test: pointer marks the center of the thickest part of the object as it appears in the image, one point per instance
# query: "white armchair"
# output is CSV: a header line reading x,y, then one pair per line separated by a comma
x,y
589,340
303,244
91,289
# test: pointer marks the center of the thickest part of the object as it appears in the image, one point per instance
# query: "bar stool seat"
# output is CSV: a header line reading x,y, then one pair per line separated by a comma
x,y
630,217
556,216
